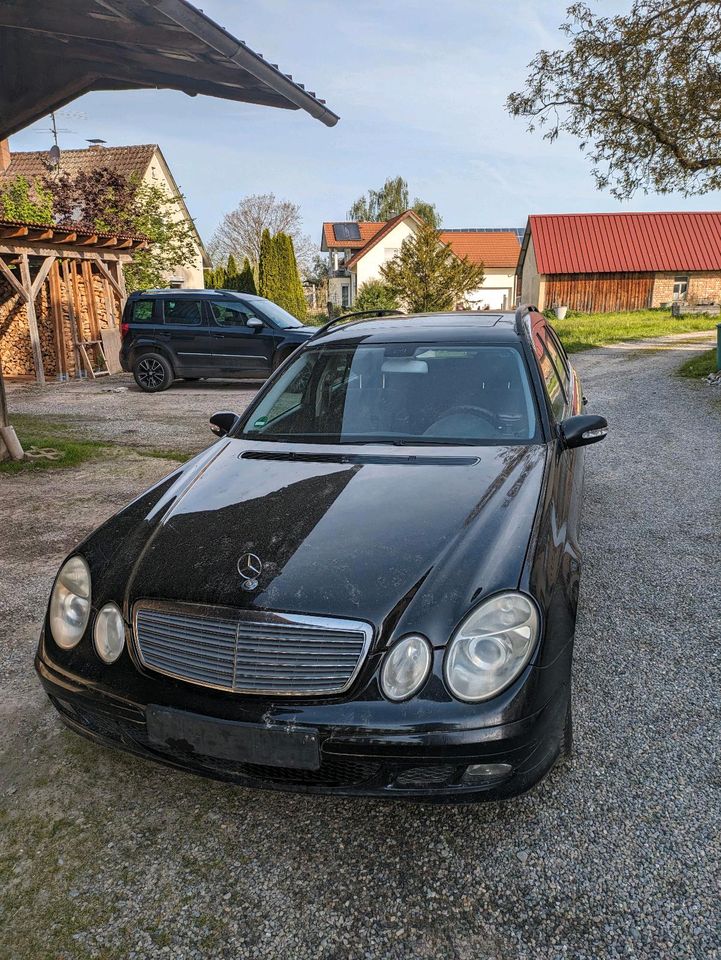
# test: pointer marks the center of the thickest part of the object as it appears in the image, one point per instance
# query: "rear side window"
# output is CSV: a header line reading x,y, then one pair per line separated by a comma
x,y
142,311
551,378
187,312
559,360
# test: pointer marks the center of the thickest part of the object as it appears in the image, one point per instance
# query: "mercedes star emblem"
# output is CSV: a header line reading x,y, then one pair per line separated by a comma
x,y
250,568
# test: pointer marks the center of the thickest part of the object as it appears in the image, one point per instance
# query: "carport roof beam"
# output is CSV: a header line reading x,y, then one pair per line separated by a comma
x,y
51,56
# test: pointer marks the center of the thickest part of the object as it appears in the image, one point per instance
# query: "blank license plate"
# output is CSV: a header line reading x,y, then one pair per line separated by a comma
x,y
229,740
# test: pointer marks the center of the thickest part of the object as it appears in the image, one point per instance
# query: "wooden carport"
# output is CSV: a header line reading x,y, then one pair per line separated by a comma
x,y
62,292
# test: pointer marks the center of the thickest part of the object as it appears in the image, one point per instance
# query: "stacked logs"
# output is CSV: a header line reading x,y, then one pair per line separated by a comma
x,y
75,303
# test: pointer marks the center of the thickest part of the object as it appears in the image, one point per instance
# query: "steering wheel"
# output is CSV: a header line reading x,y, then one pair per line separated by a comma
x,y
482,413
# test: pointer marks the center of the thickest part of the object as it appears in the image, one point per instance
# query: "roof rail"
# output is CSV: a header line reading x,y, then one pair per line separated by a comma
x,y
359,313
523,326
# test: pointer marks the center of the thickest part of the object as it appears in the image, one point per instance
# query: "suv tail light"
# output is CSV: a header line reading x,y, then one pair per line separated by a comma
x,y
124,330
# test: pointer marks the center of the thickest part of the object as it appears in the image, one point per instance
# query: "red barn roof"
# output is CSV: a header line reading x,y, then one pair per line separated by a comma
x,y
626,242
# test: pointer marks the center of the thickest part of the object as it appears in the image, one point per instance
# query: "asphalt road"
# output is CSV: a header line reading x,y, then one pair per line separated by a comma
x,y
616,855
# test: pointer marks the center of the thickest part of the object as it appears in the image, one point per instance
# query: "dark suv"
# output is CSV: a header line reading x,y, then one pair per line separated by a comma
x,y
194,334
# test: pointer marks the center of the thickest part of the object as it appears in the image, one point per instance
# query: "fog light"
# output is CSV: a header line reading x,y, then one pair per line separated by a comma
x,y
109,633
480,773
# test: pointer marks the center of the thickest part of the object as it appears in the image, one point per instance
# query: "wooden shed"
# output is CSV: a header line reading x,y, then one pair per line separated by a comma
x,y
62,293
620,261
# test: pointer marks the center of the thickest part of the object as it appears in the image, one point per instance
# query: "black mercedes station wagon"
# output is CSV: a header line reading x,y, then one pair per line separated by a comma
x,y
367,585
199,334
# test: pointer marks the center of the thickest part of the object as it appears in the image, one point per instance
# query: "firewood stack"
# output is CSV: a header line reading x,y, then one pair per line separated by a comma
x,y
75,303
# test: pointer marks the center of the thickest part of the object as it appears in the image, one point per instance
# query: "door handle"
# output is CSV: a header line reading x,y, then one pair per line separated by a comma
x,y
218,336
163,336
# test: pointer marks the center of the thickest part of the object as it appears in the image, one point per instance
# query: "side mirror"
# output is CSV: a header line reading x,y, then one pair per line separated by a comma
x,y
255,323
222,423
582,430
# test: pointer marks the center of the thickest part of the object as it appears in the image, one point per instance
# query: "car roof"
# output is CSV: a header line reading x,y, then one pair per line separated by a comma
x,y
456,326
178,292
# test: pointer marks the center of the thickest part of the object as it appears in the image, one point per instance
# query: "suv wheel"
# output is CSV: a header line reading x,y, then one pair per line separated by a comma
x,y
152,372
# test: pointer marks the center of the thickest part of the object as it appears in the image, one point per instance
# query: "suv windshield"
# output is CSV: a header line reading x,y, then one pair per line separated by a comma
x,y
399,393
279,316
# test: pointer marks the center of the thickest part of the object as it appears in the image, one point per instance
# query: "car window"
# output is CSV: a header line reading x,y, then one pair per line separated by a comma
x,y
551,378
559,358
230,313
556,340
280,317
399,393
142,311
187,312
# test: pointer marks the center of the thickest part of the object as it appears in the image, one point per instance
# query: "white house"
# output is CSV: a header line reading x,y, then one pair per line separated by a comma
x,y
144,161
357,250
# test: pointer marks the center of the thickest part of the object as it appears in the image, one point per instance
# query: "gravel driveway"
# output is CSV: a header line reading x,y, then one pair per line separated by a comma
x,y
106,856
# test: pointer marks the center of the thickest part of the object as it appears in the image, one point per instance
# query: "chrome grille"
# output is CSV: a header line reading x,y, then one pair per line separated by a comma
x,y
247,652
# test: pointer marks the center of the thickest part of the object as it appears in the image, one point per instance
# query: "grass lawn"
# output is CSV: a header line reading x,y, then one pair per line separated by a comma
x,y
581,331
700,366
72,453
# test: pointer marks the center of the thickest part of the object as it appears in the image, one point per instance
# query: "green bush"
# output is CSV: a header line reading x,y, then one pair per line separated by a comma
x,y
375,295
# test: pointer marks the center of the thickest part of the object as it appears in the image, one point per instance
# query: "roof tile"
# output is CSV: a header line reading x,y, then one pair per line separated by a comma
x,y
367,231
124,160
626,242
491,248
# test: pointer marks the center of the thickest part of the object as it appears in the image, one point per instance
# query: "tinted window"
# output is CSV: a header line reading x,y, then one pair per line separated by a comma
x,y
229,313
558,360
551,379
188,312
400,393
142,311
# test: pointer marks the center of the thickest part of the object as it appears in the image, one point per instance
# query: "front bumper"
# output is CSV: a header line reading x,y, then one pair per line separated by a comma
x,y
389,762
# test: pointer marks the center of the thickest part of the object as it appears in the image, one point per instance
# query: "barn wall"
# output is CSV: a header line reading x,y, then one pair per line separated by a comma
x,y
531,285
599,292
702,286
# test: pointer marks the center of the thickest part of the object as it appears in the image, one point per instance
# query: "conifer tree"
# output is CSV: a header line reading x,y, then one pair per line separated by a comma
x,y
267,267
247,279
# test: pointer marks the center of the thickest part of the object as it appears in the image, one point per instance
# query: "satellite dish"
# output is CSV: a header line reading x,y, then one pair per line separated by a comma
x,y
54,153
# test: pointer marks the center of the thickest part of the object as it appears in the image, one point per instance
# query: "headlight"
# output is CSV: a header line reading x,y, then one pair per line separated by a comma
x,y
109,633
70,603
491,647
406,667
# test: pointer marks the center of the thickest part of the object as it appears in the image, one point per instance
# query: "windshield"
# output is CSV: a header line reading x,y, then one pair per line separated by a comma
x,y
279,316
399,393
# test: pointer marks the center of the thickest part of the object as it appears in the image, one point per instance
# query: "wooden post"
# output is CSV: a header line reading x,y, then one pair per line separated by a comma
x,y
67,280
3,399
32,319
87,276
56,311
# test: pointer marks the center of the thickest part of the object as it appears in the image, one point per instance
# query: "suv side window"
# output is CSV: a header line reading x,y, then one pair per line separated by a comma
x,y
142,311
187,312
551,378
229,313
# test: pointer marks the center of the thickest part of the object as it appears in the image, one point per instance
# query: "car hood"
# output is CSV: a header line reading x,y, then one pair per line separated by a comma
x,y
399,539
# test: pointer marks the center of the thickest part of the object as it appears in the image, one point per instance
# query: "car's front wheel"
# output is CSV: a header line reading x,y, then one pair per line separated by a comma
x,y
152,372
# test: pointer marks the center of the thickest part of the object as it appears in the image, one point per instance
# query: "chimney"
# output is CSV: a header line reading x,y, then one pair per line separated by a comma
x,y
4,155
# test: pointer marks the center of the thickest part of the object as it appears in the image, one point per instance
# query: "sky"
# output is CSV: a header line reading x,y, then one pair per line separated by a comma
x,y
420,88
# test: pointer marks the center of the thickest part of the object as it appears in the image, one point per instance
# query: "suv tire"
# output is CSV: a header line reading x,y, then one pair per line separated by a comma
x,y
152,372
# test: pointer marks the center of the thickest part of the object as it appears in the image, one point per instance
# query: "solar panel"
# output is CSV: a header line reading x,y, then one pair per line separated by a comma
x,y
346,231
